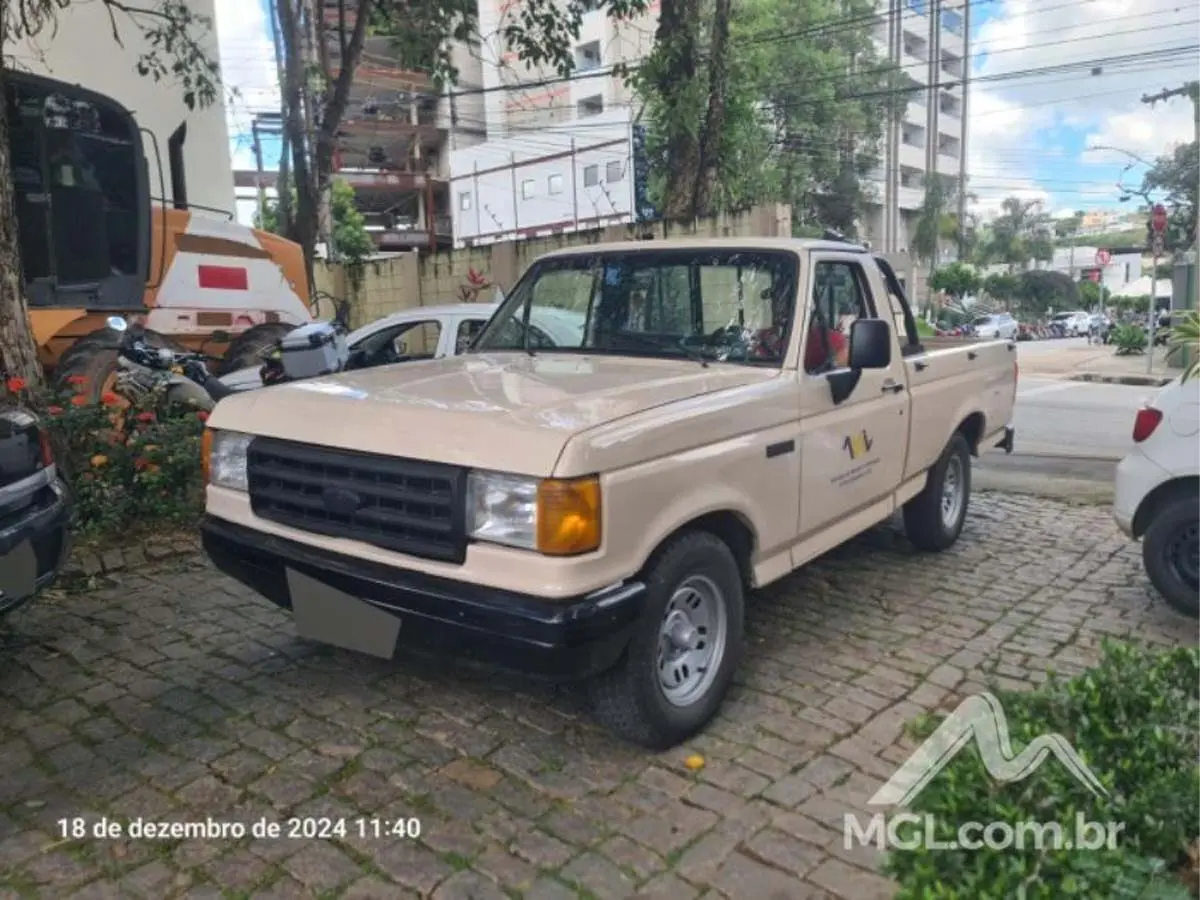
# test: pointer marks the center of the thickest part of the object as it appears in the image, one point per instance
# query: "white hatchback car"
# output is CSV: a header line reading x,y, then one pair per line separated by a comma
x,y
1158,492
998,326
428,332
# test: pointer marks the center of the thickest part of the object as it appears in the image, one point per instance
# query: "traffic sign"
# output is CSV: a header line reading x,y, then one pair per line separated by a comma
x,y
1158,218
1103,257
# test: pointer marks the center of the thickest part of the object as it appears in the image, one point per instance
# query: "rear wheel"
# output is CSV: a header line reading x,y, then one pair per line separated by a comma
x,y
684,650
1171,554
934,518
247,348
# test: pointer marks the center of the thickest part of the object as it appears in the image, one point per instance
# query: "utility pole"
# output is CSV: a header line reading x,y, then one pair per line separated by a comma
x,y
962,137
258,176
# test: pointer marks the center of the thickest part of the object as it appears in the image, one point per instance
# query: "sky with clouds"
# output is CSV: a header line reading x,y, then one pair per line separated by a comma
x,y
1029,133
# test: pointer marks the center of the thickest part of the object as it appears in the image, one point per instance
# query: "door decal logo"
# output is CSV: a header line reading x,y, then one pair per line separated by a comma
x,y
857,445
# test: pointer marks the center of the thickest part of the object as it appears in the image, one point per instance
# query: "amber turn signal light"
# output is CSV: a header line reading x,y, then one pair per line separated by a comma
x,y
568,516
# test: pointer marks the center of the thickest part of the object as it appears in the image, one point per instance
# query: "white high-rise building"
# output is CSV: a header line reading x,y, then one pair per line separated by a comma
x,y
928,40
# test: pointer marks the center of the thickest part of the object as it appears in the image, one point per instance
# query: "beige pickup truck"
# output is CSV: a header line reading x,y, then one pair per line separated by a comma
x,y
597,505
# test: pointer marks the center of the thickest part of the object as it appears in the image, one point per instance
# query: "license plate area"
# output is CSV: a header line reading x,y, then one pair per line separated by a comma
x,y
330,616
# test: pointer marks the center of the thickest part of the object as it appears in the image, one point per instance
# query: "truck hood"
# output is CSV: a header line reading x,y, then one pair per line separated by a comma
x,y
508,412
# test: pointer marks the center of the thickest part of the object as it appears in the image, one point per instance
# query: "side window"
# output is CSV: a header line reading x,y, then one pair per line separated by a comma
x,y
418,340
467,329
838,300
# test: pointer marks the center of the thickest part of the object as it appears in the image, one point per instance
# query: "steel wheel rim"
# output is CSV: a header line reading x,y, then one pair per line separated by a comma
x,y
691,640
952,492
1183,555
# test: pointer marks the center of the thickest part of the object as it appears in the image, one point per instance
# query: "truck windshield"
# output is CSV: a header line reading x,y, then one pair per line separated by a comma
x,y
724,305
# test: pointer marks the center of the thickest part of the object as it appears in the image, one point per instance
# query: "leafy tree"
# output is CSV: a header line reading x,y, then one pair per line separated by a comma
x,y
1038,290
790,132
1173,177
1092,294
350,237
1002,288
1018,233
956,279
931,224
174,38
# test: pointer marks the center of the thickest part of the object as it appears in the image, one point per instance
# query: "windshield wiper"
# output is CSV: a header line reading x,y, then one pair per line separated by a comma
x,y
644,341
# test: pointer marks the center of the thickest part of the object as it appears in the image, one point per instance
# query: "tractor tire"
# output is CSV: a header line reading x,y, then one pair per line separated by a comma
x,y
247,348
94,359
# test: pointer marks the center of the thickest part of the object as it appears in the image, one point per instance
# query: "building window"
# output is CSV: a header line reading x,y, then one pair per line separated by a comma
x,y
464,201
588,57
591,176
554,184
614,171
590,106
917,6
952,22
527,189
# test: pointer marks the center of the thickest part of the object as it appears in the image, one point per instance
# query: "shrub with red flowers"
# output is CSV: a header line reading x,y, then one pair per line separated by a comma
x,y
128,465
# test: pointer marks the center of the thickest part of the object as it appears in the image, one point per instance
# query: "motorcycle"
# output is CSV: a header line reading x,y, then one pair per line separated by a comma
x,y
181,378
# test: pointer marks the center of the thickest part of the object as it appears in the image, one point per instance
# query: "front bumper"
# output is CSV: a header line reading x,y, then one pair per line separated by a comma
x,y
43,525
567,639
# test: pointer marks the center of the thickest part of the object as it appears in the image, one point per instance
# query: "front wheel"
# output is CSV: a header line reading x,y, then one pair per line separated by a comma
x,y
934,518
684,650
1171,554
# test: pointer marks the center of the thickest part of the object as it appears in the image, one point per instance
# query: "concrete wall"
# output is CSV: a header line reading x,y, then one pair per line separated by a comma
x,y
81,50
404,282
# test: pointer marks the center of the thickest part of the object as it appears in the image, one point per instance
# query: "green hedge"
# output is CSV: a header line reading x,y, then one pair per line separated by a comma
x,y
1135,720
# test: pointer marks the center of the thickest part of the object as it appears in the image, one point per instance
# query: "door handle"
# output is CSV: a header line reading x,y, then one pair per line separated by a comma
x,y
892,387
972,355
920,366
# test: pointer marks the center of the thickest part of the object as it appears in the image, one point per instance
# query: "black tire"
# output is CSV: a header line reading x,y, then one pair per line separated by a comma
x,y
628,699
924,521
94,358
247,348
1169,552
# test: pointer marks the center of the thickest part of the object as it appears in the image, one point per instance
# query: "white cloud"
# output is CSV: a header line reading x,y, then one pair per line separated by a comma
x,y
248,67
1015,142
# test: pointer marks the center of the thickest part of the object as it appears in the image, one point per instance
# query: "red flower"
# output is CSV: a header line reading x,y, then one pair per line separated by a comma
x,y
16,385
202,416
79,400
145,417
108,398
76,379
54,410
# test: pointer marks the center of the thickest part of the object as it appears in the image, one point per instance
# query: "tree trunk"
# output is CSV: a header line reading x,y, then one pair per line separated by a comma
x,y
678,41
714,120
304,230
18,352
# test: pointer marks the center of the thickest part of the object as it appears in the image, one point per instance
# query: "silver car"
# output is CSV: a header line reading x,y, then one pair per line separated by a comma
x,y
998,326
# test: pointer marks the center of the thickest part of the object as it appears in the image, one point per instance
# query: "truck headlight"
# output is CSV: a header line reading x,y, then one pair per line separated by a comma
x,y
224,455
555,516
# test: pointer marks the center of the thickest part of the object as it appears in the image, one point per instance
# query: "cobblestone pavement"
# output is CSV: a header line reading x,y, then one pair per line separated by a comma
x,y
172,694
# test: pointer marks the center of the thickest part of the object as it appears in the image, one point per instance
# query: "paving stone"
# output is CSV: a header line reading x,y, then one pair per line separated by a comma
x,y
172,692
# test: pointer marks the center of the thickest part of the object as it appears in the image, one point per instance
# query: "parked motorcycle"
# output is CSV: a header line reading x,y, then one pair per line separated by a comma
x,y
181,378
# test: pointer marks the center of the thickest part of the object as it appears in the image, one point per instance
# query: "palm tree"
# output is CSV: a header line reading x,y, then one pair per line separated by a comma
x,y
931,223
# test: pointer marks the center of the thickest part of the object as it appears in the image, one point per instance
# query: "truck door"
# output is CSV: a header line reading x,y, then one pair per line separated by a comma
x,y
852,453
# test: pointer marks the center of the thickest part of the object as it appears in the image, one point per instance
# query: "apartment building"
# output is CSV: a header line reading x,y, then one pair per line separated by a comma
x,y
529,112
928,40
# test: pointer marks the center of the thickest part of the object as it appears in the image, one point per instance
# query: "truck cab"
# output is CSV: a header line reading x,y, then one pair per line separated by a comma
x,y
726,411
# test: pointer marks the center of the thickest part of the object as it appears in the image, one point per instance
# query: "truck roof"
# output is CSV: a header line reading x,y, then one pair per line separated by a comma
x,y
701,243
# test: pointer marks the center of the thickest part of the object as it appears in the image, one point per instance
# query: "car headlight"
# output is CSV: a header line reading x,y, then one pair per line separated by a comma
x,y
224,455
555,516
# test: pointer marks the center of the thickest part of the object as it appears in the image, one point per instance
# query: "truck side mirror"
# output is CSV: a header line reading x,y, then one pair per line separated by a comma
x,y
870,344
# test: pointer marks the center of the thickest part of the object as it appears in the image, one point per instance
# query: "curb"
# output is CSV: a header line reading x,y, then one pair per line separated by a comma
x,y
1135,380
88,562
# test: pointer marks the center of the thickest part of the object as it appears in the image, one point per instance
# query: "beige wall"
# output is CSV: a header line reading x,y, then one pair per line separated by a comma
x,y
408,281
